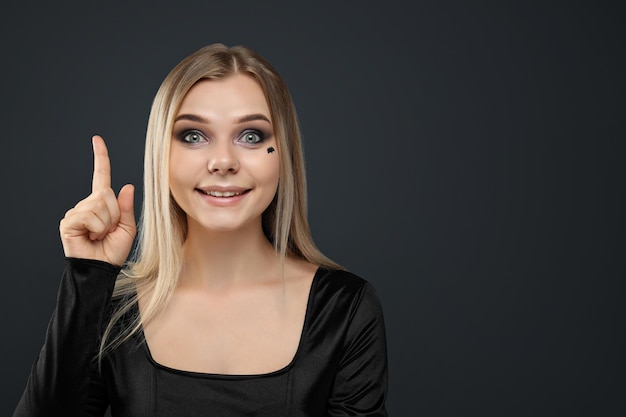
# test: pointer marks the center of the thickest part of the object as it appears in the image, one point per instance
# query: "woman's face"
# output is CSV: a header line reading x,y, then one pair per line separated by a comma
x,y
222,173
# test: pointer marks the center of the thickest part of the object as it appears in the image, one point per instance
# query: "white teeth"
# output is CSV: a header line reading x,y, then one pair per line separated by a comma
x,y
223,194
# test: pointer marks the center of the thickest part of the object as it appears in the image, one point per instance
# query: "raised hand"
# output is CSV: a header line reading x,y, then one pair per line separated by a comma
x,y
101,226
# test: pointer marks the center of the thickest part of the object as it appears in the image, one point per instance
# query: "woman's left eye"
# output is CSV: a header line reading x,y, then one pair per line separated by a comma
x,y
251,137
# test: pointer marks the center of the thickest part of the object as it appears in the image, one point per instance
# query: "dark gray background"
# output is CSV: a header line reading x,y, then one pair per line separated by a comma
x,y
465,157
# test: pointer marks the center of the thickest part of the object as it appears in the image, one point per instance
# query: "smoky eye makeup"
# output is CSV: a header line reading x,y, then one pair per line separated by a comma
x,y
252,137
190,136
249,136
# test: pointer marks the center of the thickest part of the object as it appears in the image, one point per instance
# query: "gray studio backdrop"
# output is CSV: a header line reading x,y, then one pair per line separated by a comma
x,y
465,157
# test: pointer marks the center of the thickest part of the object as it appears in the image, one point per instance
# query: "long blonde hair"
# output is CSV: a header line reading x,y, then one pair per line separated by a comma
x,y
156,262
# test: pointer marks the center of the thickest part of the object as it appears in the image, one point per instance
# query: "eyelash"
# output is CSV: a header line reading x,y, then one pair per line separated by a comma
x,y
256,132
182,136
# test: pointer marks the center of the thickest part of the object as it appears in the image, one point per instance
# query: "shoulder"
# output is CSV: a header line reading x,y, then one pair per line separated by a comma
x,y
341,280
338,278
346,289
346,312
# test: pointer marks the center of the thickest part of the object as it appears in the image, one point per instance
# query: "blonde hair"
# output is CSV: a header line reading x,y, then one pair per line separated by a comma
x,y
157,259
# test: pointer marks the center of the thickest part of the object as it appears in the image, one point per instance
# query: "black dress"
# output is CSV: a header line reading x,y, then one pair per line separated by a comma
x,y
339,369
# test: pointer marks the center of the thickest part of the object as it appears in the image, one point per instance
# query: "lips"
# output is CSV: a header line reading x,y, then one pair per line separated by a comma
x,y
222,192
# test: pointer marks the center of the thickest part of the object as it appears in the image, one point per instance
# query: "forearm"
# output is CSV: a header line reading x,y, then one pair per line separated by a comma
x,y
59,379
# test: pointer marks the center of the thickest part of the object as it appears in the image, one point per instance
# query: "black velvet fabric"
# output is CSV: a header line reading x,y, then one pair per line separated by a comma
x,y
340,367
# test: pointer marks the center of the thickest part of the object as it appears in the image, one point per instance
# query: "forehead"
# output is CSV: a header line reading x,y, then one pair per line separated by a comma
x,y
234,95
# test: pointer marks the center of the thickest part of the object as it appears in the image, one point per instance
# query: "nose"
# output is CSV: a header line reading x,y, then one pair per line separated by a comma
x,y
223,159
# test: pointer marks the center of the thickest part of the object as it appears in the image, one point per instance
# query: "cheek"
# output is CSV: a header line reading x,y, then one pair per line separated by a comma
x,y
182,171
274,170
264,167
175,172
184,164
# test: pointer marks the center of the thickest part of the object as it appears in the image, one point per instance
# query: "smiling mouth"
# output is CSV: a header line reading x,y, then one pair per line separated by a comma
x,y
222,194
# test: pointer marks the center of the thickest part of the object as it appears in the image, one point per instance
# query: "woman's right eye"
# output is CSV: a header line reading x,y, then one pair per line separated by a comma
x,y
192,136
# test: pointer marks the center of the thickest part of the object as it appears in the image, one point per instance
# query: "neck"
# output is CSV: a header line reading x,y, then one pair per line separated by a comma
x,y
222,259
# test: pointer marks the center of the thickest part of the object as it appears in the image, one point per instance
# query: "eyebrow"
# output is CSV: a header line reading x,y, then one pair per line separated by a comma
x,y
243,119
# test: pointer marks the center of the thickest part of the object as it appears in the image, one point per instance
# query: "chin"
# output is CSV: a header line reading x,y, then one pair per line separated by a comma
x,y
214,225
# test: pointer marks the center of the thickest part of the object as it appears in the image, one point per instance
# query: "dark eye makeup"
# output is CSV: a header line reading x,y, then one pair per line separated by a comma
x,y
248,137
251,137
191,136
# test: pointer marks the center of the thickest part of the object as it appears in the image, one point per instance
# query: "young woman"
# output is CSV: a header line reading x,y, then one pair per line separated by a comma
x,y
226,307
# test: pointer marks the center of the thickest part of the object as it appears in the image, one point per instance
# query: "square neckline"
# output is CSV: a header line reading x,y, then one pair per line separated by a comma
x,y
286,368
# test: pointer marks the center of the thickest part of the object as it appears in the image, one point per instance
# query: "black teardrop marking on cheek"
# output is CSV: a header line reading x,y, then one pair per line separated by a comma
x,y
270,149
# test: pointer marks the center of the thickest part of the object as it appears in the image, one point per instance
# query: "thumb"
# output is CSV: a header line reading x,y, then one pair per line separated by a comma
x,y
125,201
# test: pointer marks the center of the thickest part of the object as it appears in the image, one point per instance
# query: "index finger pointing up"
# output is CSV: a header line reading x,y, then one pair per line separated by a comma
x,y
101,165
